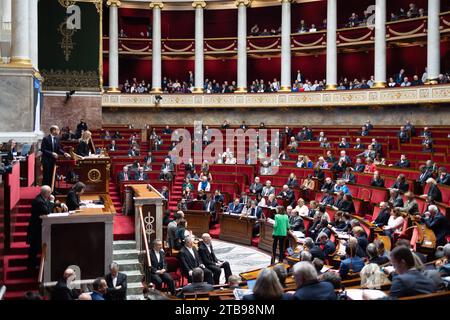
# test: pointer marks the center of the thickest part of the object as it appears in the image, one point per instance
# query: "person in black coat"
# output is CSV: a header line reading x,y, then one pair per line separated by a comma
x,y
82,148
61,291
437,222
377,181
383,216
197,284
403,163
117,284
190,259
443,176
50,149
327,199
40,206
158,271
82,126
288,195
400,184
73,197
327,246
206,252
347,204
434,194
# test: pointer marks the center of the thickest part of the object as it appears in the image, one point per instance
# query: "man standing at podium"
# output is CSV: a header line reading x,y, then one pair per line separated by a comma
x,y
50,149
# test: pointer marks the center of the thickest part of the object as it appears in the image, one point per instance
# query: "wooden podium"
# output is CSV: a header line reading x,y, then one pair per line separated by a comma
x,y
265,236
83,239
93,171
197,221
235,228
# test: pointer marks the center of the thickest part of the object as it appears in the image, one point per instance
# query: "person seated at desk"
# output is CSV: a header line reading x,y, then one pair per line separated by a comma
x,y
117,284
190,259
117,135
339,199
327,198
308,285
437,222
301,208
187,195
340,186
292,181
347,204
295,220
395,199
113,146
348,176
383,216
410,206
320,225
63,291
271,202
443,176
314,250
148,160
158,270
267,287
140,175
287,194
82,148
377,181
408,281
267,189
402,163
341,222
167,170
434,194
443,265
395,223
204,185
256,187
124,175
197,284
210,260
73,197
187,184
352,263
235,207
327,246
328,185
374,256
361,236
134,152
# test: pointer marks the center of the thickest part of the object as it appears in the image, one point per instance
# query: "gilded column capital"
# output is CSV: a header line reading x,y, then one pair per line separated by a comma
x,y
156,5
116,3
196,4
246,3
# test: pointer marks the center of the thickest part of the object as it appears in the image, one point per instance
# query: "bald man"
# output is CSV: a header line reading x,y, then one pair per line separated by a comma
x,y
41,205
62,290
206,252
51,149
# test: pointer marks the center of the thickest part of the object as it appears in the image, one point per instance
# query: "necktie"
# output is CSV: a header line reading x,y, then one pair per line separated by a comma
x,y
53,144
126,176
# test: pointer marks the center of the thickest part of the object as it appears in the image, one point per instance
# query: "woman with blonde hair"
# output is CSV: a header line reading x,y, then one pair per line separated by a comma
x,y
83,145
268,287
372,277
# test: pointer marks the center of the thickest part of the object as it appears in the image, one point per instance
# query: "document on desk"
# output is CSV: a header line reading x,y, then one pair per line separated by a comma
x,y
357,294
298,234
93,206
62,214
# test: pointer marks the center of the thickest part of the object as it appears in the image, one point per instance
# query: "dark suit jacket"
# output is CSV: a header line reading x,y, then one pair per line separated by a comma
x,y
404,164
113,293
347,206
39,206
196,287
383,218
444,180
47,149
402,186
288,195
329,248
72,200
439,225
155,264
411,283
377,183
322,290
434,193
327,199
251,297
122,176
144,175
317,252
235,208
82,149
360,167
61,292
255,212
208,258
187,261
256,188
212,206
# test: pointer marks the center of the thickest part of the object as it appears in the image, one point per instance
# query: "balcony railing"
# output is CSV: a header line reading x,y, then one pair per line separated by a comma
x,y
346,98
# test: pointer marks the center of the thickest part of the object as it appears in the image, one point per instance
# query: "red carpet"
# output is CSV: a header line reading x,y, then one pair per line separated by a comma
x,y
123,227
29,192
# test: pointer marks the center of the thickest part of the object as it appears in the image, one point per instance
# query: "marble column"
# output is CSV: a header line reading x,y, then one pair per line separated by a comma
x,y
33,27
380,44
199,46
156,47
433,42
331,45
5,30
242,45
285,46
113,45
20,40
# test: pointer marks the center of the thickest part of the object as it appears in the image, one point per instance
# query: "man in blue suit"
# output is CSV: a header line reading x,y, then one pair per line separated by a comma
x,y
308,286
437,222
99,289
408,281
235,207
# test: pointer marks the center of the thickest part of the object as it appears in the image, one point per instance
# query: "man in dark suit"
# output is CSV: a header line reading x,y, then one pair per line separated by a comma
x,y
408,281
437,222
197,285
210,260
167,170
40,206
210,206
61,291
434,194
158,271
359,145
117,284
134,152
425,173
383,215
190,259
308,286
82,126
311,247
50,149
403,163
113,146
124,175
327,199
256,187
288,195
235,207
359,165
327,246
140,175
443,176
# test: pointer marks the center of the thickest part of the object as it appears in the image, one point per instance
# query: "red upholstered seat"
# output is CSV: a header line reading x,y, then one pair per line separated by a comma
x,y
378,195
174,269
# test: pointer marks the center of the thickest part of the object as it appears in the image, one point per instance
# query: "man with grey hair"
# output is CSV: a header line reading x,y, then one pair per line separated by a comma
x,y
190,259
312,248
210,260
308,285
444,264
198,284
42,205
437,222
63,290
117,284
159,271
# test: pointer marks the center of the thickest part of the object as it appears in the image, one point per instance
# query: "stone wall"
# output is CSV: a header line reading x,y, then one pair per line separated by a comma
x,y
354,116
81,105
